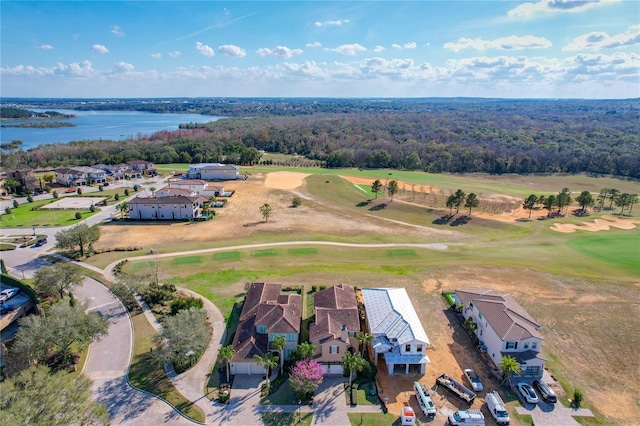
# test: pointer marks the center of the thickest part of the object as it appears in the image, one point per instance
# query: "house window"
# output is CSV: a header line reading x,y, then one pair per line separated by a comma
x,y
471,306
352,334
291,337
333,349
532,371
534,345
262,329
526,345
407,348
512,345
479,315
419,348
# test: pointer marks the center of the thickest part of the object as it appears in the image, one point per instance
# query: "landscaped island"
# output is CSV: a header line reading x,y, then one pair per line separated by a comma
x,y
41,124
13,114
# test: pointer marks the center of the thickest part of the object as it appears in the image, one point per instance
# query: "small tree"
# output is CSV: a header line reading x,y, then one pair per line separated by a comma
x,y
49,178
92,208
451,201
392,188
364,339
58,278
268,361
353,363
126,192
530,203
296,202
81,235
122,208
585,199
279,343
116,197
578,397
305,350
225,354
100,188
55,194
305,378
136,187
265,211
459,198
29,199
15,204
376,187
471,202
7,210
508,367
79,191
78,215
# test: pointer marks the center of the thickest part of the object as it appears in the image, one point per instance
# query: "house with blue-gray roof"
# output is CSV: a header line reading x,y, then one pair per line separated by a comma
x,y
398,334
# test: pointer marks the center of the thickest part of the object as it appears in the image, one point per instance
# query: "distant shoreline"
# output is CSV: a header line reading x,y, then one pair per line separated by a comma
x,y
40,124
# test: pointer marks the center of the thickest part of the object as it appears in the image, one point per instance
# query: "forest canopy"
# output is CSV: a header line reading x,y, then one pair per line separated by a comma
x,y
434,135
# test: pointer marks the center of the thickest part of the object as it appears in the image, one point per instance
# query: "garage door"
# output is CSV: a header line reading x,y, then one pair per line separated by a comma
x,y
240,368
335,369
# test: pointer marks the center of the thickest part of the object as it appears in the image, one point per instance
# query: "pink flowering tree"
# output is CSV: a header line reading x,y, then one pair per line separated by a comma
x,y
305,378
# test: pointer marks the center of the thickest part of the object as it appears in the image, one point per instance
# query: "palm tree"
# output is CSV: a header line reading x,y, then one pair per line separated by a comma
x,y
224,355
353,362
470,325
364,339
268,361
279,343
508,367
123,208
305,350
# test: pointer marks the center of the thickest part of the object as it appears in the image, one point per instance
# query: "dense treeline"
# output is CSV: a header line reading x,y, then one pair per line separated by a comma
x,y
20,113
442,135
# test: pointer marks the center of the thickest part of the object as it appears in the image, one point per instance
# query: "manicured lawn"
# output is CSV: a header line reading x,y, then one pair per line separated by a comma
x,y
403,252
283,396
620,250
147,372
187,260
227,255
302,251
364,394
25,217
373,419
265,252
287,419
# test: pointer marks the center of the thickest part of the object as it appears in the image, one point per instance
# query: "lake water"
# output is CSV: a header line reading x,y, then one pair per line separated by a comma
x,y
95,125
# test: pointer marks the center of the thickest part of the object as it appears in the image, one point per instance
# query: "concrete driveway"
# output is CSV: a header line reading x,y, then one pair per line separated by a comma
x,y
243,406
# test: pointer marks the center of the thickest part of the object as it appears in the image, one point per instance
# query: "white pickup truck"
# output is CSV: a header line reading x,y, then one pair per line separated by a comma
x,y
472,376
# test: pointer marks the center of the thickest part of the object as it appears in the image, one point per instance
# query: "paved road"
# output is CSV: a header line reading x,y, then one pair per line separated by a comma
x,y
108,363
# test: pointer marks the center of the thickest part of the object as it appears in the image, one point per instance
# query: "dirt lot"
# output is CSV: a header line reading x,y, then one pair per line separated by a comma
x,y
241,217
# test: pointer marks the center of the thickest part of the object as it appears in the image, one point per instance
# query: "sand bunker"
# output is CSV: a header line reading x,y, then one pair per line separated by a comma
x,y
285,180
603,224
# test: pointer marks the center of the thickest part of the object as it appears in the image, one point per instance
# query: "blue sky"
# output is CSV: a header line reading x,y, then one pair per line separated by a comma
x,y
512,49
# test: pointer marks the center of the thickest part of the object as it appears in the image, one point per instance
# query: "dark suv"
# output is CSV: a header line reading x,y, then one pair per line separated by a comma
x,y
545,391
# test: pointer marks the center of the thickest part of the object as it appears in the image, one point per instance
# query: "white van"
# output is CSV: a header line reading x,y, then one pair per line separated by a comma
x,y
497,408
467,417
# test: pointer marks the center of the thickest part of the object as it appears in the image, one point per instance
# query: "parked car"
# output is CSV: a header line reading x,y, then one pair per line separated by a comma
x,y
40,242
8,293
70,191
472,376
545,391
527,392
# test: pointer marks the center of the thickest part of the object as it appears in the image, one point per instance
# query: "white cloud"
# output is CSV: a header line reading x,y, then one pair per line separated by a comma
x,y
116,30
123,67
348,49
337,23
156,55
601,40
45,47
502,43
204,49
409,45
232,51
314,44
100,49
279,52
174,54
378,49
556,6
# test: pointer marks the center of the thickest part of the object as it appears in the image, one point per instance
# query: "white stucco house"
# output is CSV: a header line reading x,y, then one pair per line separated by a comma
x,y
80,175
197,186
503,328
213,171
398,333
177,207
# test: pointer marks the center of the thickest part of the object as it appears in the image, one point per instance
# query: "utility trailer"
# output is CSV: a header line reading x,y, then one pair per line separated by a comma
x,y
457,388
